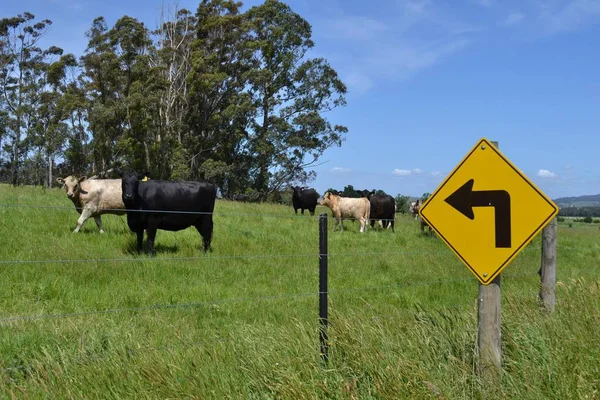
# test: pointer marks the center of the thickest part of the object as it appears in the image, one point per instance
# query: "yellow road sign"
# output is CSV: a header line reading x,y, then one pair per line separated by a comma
x,y
487,210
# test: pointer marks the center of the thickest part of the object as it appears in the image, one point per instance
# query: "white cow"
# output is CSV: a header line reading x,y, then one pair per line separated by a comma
x,y
347,207
414,208
93,197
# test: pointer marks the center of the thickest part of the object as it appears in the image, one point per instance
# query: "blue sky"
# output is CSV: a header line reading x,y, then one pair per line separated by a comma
x,y
427,79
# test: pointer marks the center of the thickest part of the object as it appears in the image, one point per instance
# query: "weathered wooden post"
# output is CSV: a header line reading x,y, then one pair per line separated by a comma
x,y
548,268
323,321
489,339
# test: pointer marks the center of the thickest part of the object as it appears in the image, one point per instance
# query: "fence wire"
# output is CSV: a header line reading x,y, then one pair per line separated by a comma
x,y
155,307
224,257
182,343
306,216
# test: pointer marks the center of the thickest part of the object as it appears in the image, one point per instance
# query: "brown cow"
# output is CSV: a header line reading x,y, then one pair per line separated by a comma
x,y
423,224
347,207
94,197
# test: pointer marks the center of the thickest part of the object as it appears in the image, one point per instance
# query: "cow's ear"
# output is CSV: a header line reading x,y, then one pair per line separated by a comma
x,y
60,180
83,178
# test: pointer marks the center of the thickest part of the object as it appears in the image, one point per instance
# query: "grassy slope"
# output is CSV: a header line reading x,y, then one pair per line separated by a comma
x,y
402,310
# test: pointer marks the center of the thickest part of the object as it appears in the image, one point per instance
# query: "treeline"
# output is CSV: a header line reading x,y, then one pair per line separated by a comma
x,y
579,212
219,94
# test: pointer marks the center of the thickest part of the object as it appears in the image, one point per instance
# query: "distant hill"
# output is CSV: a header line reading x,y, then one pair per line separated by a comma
x,y
592,200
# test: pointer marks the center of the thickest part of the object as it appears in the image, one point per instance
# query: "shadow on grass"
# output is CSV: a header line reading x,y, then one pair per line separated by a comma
x,y
131,248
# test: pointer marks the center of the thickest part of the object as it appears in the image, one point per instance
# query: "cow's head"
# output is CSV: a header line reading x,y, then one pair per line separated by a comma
x,y
72,185
367,193
130,181
327,199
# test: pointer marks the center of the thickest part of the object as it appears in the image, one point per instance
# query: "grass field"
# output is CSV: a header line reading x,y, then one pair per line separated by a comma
x,y
83,316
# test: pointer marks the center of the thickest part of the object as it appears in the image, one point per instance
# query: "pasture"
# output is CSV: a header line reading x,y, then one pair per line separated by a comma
x,y
83,315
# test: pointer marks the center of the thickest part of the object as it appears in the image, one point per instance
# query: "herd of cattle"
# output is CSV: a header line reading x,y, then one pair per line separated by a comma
x,y
156,204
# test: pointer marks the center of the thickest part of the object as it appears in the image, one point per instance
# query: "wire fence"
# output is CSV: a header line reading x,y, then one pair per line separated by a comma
x,y
306,216
399,312
357,290
155,307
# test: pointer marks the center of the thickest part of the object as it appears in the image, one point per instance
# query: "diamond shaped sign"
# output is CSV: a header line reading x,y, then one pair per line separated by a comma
x,y
487,211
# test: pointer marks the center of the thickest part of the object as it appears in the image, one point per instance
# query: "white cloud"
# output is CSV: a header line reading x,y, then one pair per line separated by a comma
x,y
401,172
436,173
514,19
484,3
544,173
412,36
569,15
404,60
417,171
358,82
340,170
356,28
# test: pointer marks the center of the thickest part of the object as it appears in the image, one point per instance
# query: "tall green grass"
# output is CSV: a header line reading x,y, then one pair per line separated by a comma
x,y
84,316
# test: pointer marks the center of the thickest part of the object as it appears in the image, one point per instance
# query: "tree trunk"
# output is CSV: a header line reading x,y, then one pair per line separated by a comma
x,y
263,164
147,153
50,162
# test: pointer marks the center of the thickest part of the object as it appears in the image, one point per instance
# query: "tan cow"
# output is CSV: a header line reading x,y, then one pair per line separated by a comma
x,y
93,197
347,207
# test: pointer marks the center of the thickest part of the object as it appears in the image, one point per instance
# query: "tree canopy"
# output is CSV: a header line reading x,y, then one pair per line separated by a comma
x,y
221,94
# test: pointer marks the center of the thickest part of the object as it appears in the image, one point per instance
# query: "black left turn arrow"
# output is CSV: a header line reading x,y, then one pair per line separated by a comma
x,y
465,198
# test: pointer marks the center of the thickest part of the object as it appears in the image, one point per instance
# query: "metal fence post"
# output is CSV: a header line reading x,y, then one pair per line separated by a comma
x,y
323,322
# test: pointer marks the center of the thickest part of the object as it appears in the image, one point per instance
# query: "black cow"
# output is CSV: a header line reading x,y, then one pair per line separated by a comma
x,y
383,207
304,198
240,197
196,198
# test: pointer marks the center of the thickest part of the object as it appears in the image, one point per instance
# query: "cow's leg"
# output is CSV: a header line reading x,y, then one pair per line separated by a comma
x,y
312,211
151,235
337,222
85,214
99,223
205,228
392,225
302,211
140,239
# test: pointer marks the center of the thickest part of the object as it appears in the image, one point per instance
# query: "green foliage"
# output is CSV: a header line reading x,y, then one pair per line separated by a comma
x,y
24,70
579,211
349,191
240,324
223,95
402,204
587,220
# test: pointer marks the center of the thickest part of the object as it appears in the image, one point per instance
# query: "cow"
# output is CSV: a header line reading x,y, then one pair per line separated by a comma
x,y
152,205
383,208
422,222
304,198
239,197
413,209
347,207
93,197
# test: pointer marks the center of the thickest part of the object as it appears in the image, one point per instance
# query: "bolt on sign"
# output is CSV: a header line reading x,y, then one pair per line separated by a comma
x,y
487,211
